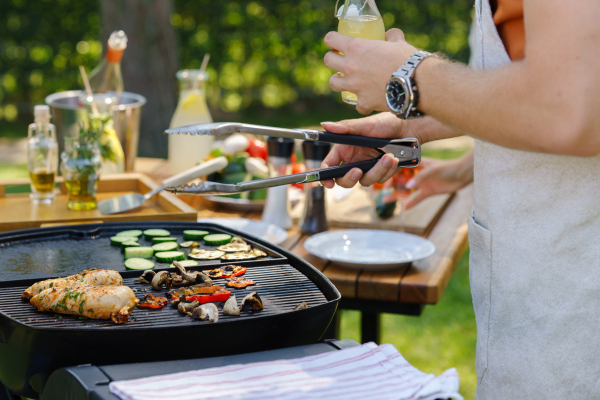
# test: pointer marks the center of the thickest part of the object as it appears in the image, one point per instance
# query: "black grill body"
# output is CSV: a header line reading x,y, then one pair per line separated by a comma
x,y
34,344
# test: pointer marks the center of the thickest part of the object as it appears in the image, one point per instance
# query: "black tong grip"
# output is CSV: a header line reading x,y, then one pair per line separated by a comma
x,y
341,170
352,140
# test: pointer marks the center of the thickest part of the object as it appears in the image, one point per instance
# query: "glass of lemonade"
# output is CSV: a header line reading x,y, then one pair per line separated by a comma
x,y
186,150
361,19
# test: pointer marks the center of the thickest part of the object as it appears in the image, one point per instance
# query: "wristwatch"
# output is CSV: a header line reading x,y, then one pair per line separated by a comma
x,y
402,96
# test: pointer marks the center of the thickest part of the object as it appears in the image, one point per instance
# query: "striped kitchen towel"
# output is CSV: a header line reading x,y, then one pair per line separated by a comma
x,y
362,372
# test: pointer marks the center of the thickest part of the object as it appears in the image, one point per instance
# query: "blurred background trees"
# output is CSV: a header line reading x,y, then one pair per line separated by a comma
x,y
266,55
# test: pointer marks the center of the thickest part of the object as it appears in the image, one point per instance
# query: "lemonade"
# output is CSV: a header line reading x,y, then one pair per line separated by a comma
x,y
361,21
186,150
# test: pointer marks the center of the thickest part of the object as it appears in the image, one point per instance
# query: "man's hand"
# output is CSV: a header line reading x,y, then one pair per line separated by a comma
x,y
439,176
367,66
384,125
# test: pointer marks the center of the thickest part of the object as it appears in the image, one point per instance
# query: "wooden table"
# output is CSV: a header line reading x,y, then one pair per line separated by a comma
x,y
403,291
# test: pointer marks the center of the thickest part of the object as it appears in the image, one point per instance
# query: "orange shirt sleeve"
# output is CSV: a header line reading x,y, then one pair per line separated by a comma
x,y
508,17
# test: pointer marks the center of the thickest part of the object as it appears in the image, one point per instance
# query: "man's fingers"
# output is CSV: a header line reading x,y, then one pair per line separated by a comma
x,y
350,179
385,164
391,172
337,41
337,83
394,35
352,126
334,61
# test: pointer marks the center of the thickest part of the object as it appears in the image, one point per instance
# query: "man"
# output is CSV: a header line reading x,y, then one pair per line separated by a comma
x,y
535,252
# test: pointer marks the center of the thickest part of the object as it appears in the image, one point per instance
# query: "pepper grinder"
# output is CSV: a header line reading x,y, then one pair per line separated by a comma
x,y
314,219
277,205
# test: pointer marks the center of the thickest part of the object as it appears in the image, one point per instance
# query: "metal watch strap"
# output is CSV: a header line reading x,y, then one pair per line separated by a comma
x,y
408,71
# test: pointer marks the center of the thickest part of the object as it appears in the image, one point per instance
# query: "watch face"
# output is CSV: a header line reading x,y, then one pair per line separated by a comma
x,y
396,95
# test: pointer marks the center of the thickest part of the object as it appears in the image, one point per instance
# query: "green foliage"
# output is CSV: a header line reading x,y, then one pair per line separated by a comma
x,y
42,44
264,53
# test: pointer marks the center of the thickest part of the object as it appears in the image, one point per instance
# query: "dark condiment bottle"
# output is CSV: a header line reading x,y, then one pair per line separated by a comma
x,y
277,205
314,219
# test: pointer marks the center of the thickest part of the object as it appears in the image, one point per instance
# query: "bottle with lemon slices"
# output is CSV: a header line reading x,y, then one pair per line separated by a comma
x,y
186,150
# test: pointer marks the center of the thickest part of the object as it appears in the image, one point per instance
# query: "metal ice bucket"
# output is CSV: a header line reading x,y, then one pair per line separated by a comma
x,y
67,114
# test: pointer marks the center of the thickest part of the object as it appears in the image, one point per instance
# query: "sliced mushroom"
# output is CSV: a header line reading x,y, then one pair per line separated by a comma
x,y
146,277
252,302
185,308
205,312
180,297
184,274
159,279
202,279
231,306
301,306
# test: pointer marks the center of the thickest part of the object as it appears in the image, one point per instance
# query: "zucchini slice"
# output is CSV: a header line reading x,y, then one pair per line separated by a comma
x,y
234,247
152,233
134,232
165,246
217,239
127,244
194,235
249,255
170,256
138,252
206,254
139,264
187,263
117,240
161,239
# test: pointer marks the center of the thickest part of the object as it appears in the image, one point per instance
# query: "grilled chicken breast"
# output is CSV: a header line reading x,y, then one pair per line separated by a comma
x,y
98,302
93,277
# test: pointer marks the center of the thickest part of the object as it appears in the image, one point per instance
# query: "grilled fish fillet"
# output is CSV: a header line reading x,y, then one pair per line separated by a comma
x,y
97,302
93,277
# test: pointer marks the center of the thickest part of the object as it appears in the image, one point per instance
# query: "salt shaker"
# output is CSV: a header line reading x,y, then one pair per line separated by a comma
x,y
277,205
314,219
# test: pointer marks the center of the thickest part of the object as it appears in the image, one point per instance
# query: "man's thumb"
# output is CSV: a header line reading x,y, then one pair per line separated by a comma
x,y
394,35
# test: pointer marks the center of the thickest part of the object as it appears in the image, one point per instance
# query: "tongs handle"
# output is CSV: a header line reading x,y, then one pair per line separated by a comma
x,y
353,140
341,170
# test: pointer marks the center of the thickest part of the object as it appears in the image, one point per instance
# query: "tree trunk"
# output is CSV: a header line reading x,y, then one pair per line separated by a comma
x,y
149,64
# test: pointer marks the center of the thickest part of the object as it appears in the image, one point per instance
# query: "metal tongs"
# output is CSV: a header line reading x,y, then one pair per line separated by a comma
x,y
407,150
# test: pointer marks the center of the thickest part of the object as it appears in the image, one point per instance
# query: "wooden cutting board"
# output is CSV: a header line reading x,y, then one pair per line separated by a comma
x,y
358,211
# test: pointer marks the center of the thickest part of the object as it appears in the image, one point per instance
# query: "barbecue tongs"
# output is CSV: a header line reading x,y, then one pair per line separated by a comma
x,y
407,150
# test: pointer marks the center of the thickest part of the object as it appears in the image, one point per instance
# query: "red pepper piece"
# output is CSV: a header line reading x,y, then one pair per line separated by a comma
x,y
151,301
210,298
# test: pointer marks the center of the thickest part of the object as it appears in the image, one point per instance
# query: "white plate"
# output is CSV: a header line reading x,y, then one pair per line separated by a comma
x,y
369,249
269,232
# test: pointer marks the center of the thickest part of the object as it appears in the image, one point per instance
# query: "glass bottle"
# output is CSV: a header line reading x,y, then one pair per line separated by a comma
x,y
80,168
314,218
277,204
186,150
106,77
361,19
42,156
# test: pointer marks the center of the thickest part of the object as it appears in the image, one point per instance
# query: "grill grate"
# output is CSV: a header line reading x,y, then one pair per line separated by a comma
x,y
281,287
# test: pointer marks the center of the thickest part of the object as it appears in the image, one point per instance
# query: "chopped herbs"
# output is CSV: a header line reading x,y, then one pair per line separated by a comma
x,y
81,306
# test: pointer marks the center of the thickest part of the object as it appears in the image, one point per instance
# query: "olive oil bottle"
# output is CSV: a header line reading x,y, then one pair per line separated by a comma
x,y
42,156
361,19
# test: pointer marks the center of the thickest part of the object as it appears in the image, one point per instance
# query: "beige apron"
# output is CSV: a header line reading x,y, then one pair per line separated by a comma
x,y
535,262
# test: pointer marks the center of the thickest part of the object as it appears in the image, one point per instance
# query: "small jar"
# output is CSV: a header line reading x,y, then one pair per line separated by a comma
x,y
277,205
314,218
80,168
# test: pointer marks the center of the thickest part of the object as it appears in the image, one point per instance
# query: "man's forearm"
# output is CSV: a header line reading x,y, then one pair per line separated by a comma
x,y
548,102
427,129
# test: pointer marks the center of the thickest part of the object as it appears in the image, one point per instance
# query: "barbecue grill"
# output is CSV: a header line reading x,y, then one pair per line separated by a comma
x,y
34,344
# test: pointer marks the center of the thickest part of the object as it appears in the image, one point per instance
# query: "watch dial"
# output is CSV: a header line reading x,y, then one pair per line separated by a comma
x,y
396,95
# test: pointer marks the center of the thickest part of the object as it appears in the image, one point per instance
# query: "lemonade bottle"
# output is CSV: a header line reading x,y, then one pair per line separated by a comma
x,y
361,19
186,150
